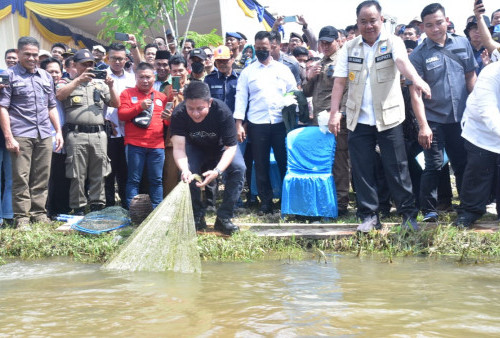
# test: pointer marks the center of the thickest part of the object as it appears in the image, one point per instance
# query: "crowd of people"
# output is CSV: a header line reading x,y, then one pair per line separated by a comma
x,y
82,126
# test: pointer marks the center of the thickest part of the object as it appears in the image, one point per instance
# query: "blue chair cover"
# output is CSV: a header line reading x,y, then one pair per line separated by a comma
x,y
274,176
309,187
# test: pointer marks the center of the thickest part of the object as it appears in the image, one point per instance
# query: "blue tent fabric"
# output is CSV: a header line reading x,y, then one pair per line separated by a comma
x,y
309,187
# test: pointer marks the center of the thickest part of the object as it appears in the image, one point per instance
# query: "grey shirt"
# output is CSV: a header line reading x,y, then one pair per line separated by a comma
x,y
291,63
28,100
445,76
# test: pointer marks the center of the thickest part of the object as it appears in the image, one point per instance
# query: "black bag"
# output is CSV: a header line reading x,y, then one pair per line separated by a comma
x,y
143,119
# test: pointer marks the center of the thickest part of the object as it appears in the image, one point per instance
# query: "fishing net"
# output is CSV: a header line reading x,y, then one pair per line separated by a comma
x,y
97,222
166,239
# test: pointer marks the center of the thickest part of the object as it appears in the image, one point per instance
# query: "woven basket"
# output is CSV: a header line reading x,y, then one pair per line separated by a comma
x,y
140,207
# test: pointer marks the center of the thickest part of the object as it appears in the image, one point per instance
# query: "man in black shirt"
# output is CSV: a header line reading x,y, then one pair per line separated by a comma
x,y
204,134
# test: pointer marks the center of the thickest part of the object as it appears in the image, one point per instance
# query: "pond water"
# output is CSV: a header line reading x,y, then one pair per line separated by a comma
x,y
347,296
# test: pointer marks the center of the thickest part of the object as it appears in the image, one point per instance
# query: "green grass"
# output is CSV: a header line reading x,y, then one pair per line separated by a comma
x,y
43,242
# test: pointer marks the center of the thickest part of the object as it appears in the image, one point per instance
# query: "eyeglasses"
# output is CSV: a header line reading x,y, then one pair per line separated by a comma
x,y
209,56
115,59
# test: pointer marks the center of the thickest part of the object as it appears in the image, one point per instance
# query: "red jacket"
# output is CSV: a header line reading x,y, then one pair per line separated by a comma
x,y
130,106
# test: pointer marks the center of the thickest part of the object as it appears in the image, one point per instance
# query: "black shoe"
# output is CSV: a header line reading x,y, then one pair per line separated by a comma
x,y
96,207
342,212
385,214
199,223
265,209
225,226
465,221
79,211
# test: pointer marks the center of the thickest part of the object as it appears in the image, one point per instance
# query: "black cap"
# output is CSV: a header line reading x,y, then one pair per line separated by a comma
x,y
295,35
199,53
162,55
410,44
469,26
328,33
83,55
243,36
69,52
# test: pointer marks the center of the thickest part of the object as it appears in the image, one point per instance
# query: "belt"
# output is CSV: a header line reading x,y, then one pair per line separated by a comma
x,y
85,128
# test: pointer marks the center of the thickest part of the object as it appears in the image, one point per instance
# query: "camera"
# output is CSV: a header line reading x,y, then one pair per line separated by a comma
x,y
99,74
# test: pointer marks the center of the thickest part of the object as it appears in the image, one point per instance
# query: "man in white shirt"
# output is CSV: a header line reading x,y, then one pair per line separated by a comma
x,y
261,87
116,128
481,131
374,112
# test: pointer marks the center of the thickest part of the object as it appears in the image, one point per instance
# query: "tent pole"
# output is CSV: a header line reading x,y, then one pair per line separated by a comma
x,y
189,24
174,9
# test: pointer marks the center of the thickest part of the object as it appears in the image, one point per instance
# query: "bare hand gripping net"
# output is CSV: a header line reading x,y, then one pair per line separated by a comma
x,y
165,240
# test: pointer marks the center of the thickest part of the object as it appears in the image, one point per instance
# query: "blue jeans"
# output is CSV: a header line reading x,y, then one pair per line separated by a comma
x,y
137,158
6,168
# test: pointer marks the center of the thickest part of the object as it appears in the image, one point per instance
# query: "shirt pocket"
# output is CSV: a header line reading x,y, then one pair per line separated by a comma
x,y
19,88
391,111
350,111
386,71
217,92
75,99
355,70
434,70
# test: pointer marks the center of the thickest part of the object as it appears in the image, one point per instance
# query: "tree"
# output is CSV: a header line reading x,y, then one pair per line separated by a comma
x,y
138,17
143,17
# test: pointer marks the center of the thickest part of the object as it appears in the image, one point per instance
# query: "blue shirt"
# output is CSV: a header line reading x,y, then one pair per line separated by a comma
x,y
28,100
479,60
445,76
223,87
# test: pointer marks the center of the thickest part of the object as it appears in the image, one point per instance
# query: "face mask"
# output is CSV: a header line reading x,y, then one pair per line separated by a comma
x,y
197,67
262,55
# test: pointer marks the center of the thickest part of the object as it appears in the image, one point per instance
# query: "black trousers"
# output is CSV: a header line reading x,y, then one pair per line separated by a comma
x,y
477,180
362,142
58,194
263,137
116,153
234,177
444,136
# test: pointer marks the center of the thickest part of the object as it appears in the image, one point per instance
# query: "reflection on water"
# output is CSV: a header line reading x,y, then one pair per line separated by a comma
x,y
347,296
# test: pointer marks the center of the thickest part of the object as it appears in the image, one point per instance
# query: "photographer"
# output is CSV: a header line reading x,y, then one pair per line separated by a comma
x,y
86,140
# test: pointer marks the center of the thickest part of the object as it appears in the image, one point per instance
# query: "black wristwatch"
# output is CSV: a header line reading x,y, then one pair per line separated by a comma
x,y
219,172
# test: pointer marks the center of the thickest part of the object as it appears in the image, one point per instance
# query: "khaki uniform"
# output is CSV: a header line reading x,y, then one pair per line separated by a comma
x,y
86,142
389,111
388,102
320,88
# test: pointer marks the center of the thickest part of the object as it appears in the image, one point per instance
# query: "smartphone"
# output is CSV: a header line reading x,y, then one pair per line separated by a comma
x,y
99,74
170,105
482,10
292,18
176,83
5,79
121,36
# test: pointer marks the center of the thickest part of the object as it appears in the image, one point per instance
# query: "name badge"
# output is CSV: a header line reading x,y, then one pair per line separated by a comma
x,y
134,99
355,60
383,57
432,59
18,84
216,87
159,103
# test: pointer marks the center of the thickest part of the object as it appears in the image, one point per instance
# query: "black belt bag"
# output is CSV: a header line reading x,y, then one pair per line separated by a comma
x,y
84,128
143,119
